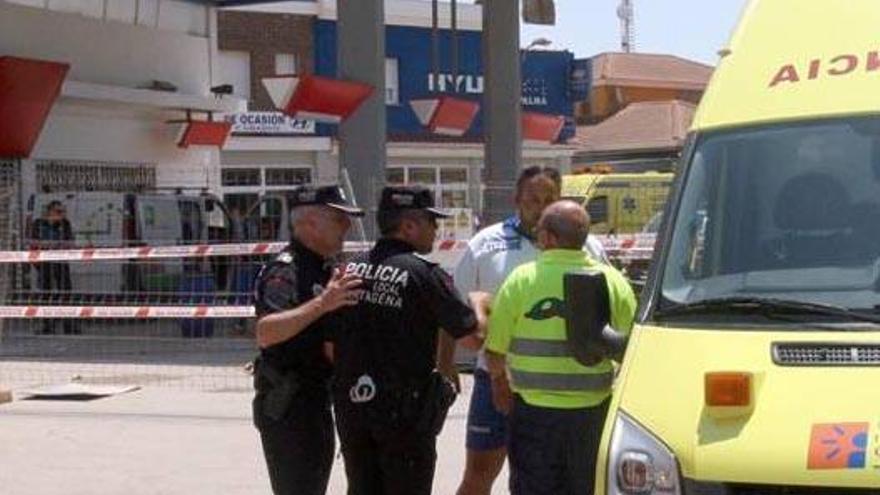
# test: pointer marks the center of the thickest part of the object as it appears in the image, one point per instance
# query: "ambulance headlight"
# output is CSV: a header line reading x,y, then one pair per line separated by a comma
x,y
639,462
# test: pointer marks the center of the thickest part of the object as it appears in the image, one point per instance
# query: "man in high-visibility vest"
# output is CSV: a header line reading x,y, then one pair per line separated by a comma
x,y
490,257
559,405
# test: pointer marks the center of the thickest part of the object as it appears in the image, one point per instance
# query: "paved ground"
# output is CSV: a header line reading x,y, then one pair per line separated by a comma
x,y
162,440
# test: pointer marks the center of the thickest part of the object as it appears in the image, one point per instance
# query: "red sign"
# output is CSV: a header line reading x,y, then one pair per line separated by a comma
x,y
539,127
446,115
28,89
318,98
201,133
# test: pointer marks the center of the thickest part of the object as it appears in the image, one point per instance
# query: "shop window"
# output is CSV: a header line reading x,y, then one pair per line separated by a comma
x,y
240,177
450,175
423,175
450,188
453,199
288,176
395,175
285,63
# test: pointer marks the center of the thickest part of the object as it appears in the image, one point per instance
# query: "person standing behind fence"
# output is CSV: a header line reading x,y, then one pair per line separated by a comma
x,y
293,293
53,231
559,409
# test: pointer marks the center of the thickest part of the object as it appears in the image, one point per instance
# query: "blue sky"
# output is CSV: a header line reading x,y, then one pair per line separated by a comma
x,y
693,29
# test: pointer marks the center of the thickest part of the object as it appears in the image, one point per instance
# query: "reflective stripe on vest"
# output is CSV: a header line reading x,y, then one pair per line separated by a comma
x,y
539,347
562,381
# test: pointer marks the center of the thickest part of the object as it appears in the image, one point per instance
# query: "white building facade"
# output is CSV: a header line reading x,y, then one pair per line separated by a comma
x,y
112,127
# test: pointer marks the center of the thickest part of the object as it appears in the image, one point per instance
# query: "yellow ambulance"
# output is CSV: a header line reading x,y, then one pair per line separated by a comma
x,y
755,365
618,203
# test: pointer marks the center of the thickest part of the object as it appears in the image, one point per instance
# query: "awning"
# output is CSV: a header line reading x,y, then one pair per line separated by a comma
x,y
203,133
315,97
28,89
446,115
541,128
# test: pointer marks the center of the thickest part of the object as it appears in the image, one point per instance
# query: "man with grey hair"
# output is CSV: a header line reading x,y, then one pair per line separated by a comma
x,y
559,405
491,255
294,293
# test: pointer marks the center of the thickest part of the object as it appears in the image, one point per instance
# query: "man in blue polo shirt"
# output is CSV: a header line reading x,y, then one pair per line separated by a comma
x,y
492,255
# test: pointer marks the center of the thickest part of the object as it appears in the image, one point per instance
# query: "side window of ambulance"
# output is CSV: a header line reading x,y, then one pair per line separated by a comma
x,y
597,207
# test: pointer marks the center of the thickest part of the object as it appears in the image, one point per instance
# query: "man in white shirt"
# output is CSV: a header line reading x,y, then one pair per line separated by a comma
x,y
491,255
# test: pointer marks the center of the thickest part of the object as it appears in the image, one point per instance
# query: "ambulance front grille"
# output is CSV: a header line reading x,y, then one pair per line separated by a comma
x,y
822,354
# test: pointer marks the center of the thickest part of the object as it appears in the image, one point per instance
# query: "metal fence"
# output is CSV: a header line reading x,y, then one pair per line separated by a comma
x,y
176,319
54,294
111,286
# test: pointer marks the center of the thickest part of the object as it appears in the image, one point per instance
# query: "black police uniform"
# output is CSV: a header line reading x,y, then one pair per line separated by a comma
x,y
390,402
292,378
292,403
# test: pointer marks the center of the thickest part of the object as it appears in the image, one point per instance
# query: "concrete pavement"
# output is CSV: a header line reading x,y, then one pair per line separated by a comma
x,y
163,441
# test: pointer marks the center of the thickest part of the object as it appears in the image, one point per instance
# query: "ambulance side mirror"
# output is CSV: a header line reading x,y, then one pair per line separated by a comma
x,y
587,316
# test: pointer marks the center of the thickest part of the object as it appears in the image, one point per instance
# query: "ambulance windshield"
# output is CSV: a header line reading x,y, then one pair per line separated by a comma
x,y
788,211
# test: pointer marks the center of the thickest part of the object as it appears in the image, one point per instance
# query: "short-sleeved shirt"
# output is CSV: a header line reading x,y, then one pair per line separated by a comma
x,y
494,252
293,278
524,308
391,334
49,235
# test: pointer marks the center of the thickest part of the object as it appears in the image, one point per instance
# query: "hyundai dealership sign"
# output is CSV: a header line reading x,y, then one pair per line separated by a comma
x,y
546,75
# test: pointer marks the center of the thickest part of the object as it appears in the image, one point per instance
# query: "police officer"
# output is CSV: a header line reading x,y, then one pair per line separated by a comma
x,y
390,401
560,405
293,293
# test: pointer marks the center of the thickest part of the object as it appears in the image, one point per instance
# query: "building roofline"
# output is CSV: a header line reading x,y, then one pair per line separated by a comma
x,y
413,13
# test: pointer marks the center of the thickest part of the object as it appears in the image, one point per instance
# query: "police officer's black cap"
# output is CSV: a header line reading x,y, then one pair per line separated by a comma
x,y
410,198
332,196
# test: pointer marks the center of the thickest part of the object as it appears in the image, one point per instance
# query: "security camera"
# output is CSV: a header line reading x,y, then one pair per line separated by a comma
x,y
223,89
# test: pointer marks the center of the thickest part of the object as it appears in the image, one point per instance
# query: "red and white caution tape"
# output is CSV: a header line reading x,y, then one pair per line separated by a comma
x,y
629,247
639,245
146,252
176,252
135,312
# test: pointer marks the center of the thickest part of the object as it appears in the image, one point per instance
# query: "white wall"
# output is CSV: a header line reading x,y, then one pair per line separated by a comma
x,y
118,52
107,52
98,134
234,67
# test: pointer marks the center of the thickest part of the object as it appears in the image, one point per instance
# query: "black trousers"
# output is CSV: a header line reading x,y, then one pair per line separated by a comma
x,y
553,451
55,286
299,448
384,461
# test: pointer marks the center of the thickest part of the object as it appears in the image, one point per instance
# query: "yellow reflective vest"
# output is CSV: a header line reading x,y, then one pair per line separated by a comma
x,y
527,325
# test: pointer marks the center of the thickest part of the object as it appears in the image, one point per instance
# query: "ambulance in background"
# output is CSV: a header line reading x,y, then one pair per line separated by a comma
x,y
754,365
618,203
